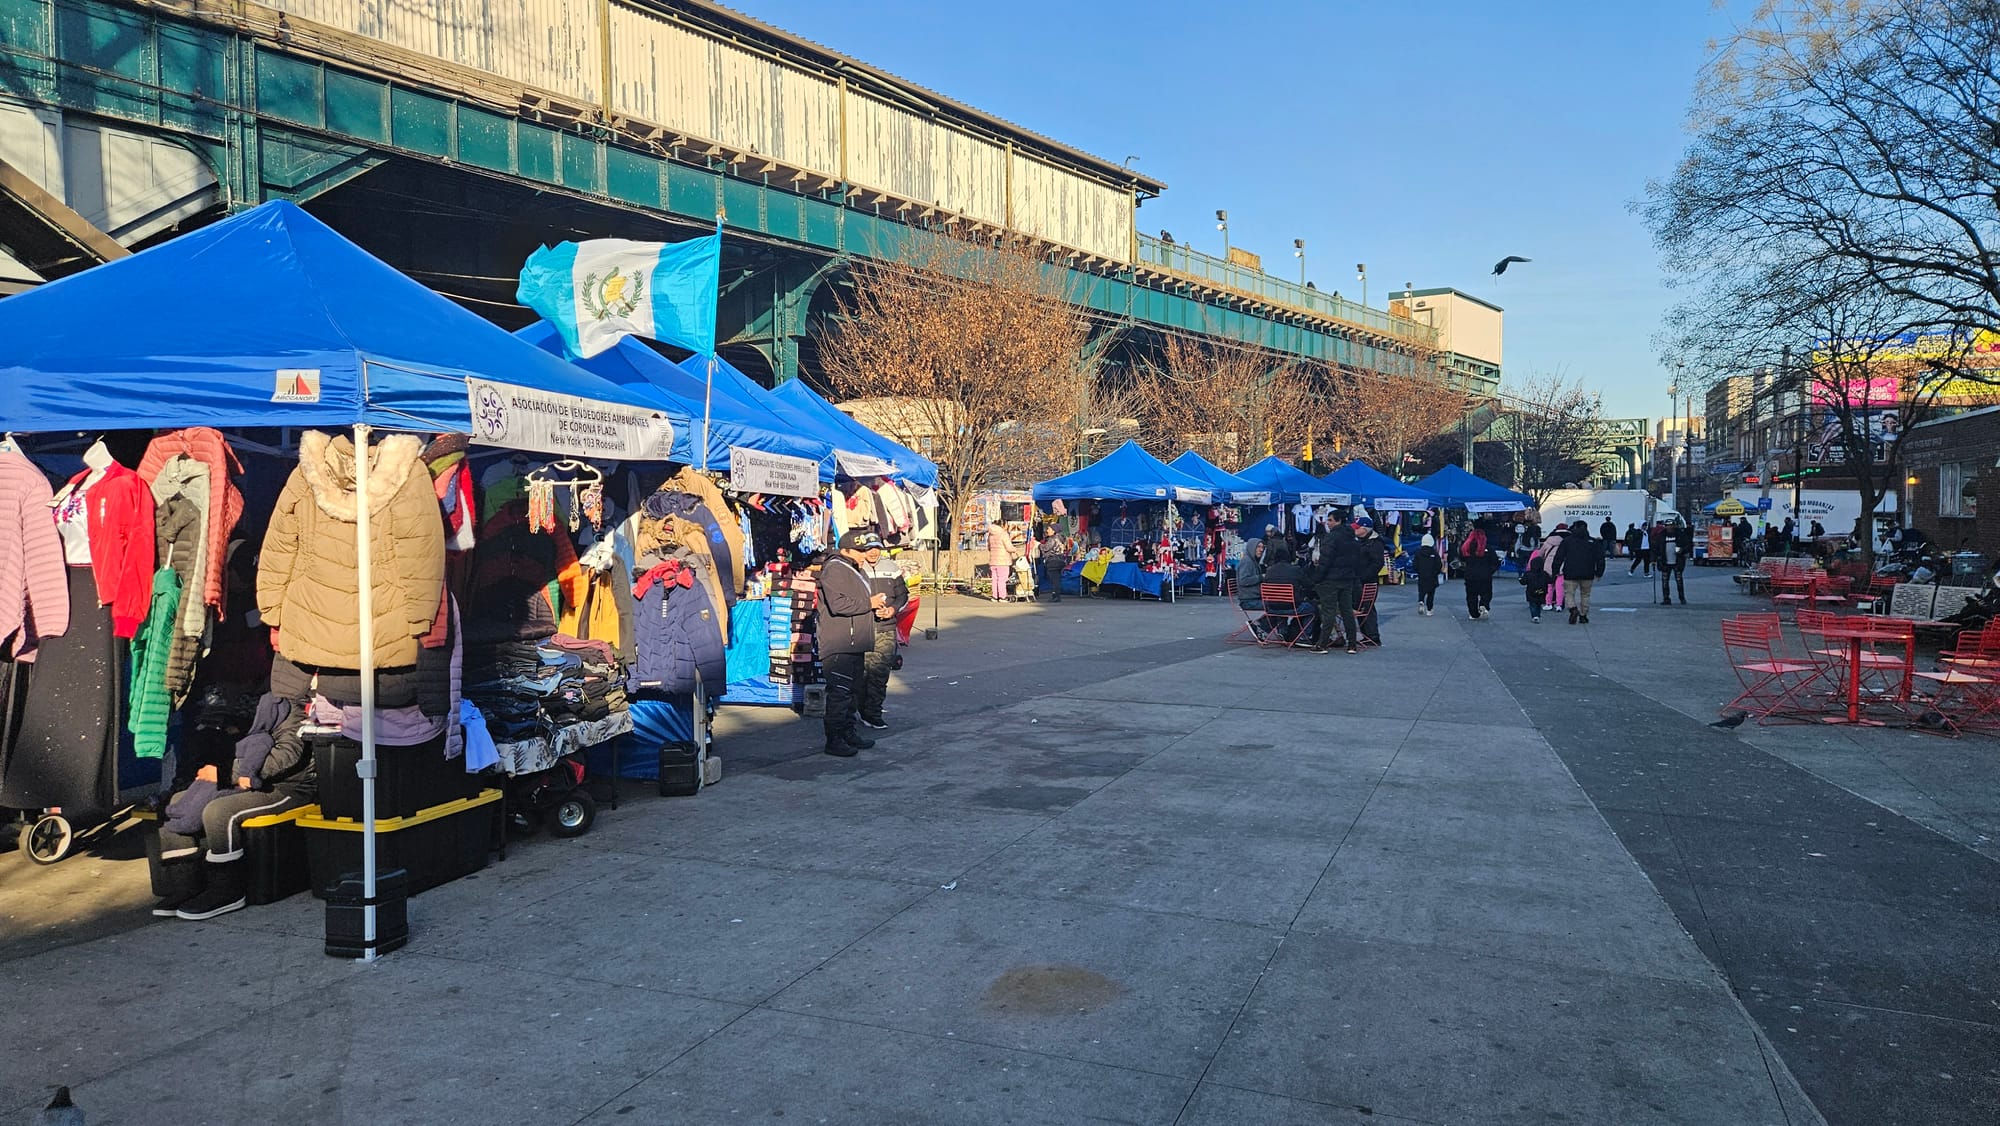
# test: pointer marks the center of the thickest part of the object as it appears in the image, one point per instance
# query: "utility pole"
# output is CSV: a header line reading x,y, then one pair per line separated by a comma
x,y
1798,438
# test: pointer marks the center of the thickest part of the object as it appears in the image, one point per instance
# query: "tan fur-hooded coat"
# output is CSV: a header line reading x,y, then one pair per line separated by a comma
x,y
308,585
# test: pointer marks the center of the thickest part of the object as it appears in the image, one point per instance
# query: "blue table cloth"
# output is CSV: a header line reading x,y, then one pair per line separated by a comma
x,y
1128,575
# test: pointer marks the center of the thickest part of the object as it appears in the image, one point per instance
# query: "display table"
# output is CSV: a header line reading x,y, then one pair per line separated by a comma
x,y
1128,575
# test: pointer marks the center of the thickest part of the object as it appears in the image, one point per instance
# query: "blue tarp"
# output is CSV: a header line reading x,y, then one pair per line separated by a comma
x,y
1226,484
1455,488
1126,473
268,318
910,465
733,421
1283,480
1368,485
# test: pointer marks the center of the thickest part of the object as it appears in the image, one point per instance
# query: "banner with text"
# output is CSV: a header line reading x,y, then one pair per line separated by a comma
x,y
522,418
754,471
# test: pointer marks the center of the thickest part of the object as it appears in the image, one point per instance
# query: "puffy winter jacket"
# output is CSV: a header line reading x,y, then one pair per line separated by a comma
x,y
1339,557
1580,557
679,632
846,616
308,584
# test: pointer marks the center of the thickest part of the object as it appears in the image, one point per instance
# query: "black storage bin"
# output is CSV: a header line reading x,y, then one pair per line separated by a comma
x,y
436,846
680,770
407,779
347,920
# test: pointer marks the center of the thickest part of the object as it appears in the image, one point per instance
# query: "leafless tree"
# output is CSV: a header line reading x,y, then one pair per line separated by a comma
x,y
1231,404
970,349
1553,428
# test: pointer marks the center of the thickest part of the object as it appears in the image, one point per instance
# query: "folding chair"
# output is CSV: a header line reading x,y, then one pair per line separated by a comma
x,y
1363,607
1829,661
1249,632
1770,682
1968,701
1289,622
1889,659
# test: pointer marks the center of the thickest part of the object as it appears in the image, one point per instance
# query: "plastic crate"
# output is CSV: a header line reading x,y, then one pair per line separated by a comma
x,y
347,920
435,846
408,780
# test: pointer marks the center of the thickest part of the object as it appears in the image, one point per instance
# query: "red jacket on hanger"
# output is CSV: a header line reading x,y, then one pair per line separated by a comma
x,y
120,521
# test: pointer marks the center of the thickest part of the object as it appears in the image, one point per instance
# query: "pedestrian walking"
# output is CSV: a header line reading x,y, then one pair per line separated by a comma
x,y
1429,565
1558,597
885,577
847,614
1535,580
1670,556
1480,564
1739,539
1818,530
1635,547
1580,561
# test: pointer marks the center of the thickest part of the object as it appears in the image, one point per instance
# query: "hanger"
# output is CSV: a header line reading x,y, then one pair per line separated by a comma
x,y
8,444
580,472
98,456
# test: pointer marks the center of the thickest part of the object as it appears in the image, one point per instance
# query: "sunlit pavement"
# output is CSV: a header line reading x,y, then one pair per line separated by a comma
x,y
1104,867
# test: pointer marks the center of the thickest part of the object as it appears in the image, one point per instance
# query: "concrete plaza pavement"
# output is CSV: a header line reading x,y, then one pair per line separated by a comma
x,y
1105,868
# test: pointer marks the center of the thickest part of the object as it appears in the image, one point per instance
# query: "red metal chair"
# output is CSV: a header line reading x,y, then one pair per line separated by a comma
x,y
1289,621
1249,633
1771,683
1362,608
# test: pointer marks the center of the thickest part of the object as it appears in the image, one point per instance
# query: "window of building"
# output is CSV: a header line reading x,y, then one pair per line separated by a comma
x,y
1957,481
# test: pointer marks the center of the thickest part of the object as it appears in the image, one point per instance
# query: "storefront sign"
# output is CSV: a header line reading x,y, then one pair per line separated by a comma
x,y
754,471
522,418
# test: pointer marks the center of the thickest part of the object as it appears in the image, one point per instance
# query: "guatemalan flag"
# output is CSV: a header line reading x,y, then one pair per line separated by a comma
x,y
600,291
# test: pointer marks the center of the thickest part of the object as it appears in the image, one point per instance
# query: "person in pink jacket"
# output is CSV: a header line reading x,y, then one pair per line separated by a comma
x,y
999,558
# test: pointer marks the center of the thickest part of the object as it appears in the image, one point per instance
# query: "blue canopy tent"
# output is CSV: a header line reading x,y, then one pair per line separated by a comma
x,y
1282,483
1456,488
733,420
270,318
910,465
1227,485
1129,473
1357,482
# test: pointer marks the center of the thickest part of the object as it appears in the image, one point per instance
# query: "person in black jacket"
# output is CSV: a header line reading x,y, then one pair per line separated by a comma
x,y
1673,542
1429,566
1480,564
1581,561
1373,555
1280,569
1607,537
1635,547
884,577
848,610
1337,565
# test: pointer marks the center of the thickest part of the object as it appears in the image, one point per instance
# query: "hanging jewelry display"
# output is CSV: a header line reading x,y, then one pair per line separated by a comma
x,y
585,483
541,506
593,504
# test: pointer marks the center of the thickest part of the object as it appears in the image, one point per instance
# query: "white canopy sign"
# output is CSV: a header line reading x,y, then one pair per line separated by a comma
x,y
754,471
523,418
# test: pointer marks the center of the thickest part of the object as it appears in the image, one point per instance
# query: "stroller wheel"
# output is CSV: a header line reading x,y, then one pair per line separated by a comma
x,y
573,816
47,838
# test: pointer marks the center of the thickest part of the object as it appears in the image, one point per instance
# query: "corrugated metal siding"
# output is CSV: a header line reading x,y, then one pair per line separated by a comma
x,y
667,75
548,44
1066,208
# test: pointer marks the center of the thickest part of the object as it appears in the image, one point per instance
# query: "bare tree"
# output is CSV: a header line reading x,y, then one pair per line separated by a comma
x,y
1232,405
972,351
1381,418
1851,139
1552,428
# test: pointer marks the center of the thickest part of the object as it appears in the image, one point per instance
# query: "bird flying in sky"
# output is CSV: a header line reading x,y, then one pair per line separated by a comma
x,y
1500,267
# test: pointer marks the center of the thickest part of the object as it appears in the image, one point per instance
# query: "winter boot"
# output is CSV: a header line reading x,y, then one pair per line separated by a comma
x,y
176,882
228,890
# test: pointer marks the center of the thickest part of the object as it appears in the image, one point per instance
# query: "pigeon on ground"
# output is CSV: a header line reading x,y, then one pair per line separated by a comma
x,y
1733,719
1500,267
60,1111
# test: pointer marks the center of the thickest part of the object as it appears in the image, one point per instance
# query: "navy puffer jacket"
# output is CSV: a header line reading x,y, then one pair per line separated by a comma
x,y
678,631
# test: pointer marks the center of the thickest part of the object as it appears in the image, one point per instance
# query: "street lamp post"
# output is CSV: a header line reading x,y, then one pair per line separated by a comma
x,y
1299,252
1222,224
1361,275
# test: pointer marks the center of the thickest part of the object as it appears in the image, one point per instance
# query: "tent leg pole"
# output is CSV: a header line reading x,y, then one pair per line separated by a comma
x,y
364,566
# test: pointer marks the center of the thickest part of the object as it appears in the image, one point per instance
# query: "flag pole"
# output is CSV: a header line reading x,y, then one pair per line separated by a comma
x,y
708,393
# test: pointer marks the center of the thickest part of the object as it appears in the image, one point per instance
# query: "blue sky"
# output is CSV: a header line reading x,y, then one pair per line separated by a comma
x,y
1427,140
